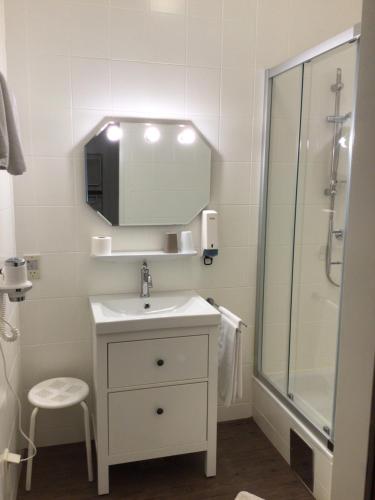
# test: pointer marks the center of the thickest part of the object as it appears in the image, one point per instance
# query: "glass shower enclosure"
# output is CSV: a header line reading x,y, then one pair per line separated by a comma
x,y
306,174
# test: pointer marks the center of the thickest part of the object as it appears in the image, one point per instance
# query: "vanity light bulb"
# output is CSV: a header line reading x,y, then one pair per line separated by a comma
x,y
114,133
187,136
152,135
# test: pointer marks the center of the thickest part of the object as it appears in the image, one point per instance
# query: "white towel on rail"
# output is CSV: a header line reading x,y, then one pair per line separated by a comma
x,y
230,358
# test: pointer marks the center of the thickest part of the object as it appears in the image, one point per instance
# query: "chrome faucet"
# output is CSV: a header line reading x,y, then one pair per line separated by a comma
x,y
146,280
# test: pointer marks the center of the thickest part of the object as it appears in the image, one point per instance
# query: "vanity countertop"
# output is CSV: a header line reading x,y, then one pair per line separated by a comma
x,y
129,312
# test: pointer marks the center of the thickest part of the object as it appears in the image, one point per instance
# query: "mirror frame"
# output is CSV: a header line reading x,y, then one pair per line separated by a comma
x,y
108,120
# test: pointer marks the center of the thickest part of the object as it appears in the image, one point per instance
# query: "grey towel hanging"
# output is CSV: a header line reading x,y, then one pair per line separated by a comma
x,y
11,154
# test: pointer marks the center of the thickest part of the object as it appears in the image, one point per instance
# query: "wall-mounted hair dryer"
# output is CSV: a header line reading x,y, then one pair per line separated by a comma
x,y
14,283
13,279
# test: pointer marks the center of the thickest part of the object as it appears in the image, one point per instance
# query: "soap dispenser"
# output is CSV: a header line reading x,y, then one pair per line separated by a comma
x,y
210,244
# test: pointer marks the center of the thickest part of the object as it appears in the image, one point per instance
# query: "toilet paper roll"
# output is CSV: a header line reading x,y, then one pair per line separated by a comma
x,y
101,245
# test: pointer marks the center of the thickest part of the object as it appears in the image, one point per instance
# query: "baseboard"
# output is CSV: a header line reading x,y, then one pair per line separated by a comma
x,y
234,412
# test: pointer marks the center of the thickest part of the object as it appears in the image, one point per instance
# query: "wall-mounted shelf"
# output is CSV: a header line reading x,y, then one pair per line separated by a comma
x,y
151,255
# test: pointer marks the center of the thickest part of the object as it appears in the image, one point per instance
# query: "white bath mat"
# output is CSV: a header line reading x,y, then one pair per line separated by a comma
x,y
244,495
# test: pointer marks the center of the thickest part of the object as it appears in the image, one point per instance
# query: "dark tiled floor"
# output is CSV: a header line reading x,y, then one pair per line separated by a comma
x,y
246,461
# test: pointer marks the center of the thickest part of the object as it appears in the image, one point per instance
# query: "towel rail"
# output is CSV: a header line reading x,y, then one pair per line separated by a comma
x,y
211,301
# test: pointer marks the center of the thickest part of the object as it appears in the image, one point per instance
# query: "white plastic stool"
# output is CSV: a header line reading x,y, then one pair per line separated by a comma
x,y
54,394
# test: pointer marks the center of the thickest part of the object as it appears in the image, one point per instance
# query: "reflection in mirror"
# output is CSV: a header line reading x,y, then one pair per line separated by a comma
x,y
148,172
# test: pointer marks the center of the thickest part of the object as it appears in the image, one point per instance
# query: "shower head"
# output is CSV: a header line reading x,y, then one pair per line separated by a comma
x,y
338,85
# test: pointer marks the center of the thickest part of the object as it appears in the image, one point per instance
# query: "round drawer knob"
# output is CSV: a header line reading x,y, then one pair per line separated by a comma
x,y
160,362
160,411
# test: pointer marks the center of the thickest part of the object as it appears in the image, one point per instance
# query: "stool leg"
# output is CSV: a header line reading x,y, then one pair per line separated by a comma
x,y
30,449
86,419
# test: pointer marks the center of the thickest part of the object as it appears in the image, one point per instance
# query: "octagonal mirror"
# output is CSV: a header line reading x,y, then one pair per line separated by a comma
x,y
148,172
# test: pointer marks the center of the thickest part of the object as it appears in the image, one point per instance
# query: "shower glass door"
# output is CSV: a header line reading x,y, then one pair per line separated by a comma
x,y
280,221
304,212
323,176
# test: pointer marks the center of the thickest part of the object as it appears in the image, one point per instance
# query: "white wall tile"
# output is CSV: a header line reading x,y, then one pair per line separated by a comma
x,y
46,321
255,183
236,91
258,111
239,9
143,36
234,225
69,359
59,276
148,88
204,42
47,23
91,83
235,138
51,132
32,189
46,229
6,194
274,19
26,230
61,190
166,34
209,9
203,90
24,188
128,35
141,5
50,82
168,6
235,266
14,15
313,27
239,43
56,229
89,28
7,244
230,184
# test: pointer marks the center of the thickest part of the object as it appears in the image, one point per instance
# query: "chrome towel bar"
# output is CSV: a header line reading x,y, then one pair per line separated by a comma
x,y
211,301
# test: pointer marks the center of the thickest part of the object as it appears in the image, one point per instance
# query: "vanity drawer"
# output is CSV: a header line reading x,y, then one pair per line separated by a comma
x,y
150,419
152,361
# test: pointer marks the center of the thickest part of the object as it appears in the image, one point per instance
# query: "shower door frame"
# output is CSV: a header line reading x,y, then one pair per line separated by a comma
x,y
351,35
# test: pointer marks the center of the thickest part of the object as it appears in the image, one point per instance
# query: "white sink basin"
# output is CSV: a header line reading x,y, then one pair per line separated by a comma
x,y
129,312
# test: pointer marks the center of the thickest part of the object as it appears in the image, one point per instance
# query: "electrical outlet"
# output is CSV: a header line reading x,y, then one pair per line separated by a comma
x,y
33,267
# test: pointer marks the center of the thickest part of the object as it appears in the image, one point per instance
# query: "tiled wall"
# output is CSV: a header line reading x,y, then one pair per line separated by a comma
x,y
8,412
73,62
